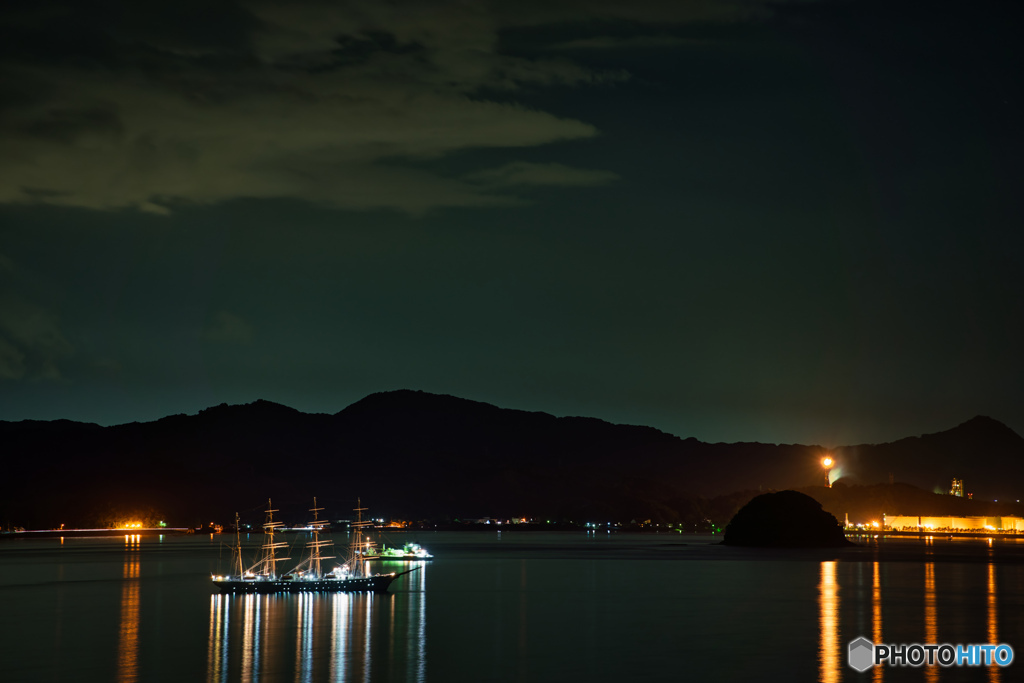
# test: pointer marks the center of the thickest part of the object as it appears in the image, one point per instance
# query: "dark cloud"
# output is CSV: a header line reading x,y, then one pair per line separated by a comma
x,y
76,126
148,105
360,48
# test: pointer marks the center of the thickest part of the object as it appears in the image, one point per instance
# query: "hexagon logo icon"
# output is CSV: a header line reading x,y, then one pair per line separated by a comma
x,y
861,654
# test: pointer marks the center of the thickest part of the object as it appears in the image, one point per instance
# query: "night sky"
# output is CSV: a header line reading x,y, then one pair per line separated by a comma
x,y
783,222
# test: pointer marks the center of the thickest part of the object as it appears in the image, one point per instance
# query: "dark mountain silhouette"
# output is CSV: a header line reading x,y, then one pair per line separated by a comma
x,y
418,455
983,452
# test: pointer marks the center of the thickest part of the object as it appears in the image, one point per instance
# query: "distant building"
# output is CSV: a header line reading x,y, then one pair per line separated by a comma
x,y
921,523
957,489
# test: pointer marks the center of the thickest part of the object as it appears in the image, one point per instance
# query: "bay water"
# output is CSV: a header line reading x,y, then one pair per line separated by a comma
x,y
508,606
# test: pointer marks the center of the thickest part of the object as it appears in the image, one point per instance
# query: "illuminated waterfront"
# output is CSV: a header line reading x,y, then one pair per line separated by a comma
x,y
507,607
319,637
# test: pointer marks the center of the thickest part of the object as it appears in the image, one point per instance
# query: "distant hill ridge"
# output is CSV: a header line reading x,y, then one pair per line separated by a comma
x,y
418,454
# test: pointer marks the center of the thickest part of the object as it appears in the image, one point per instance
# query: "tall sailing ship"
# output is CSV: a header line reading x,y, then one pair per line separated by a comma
x,y
309,574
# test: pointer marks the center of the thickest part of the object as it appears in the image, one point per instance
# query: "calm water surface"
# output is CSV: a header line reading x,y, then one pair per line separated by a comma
x,y
508,607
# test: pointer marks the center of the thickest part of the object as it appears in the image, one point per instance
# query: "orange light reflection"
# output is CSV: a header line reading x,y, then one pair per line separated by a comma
x,y
994,673
828,603
128,639
878,672
931,622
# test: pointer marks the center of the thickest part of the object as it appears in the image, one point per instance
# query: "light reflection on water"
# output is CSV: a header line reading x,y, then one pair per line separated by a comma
x,y
251,638
878,674
309,637
128,639
994,671
832,642
931,620
828,600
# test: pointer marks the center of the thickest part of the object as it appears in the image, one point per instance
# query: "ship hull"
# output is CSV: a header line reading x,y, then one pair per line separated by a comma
x,y
368,584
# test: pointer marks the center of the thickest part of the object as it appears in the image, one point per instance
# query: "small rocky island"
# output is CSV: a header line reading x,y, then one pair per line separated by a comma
x,y
785,519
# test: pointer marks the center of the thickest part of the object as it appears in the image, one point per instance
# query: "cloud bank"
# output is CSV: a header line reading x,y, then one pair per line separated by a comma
x,y
111,105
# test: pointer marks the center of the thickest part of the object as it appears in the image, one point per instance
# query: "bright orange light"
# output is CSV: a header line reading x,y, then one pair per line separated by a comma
x,y
826,461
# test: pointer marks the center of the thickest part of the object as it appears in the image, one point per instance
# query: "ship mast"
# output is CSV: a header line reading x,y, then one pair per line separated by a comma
x,y
270,559
357,554
238,546
316,543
